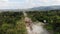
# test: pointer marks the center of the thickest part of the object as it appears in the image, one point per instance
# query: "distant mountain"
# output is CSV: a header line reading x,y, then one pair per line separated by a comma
x,y
42,8
46,8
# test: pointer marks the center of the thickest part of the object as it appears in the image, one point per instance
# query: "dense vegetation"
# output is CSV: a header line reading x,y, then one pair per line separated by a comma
x,y
52,18
13,23
10,23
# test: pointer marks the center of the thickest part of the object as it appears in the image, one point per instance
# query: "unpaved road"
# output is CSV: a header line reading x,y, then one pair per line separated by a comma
x,y
37,28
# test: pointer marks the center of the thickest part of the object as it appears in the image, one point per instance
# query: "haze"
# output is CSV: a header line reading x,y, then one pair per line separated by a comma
x,y
24,4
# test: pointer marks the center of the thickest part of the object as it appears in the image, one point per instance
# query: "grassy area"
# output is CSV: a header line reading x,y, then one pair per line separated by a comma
x,y
21,28
12,23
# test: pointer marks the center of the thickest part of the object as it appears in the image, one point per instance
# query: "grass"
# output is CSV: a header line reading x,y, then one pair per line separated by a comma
x,y
20,27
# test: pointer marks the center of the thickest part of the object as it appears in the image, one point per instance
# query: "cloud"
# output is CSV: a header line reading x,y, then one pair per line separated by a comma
x,y
55,2
14,4
3,0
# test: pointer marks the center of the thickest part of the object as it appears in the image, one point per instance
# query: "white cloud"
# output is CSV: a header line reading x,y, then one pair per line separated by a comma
x,y
4,0
27,3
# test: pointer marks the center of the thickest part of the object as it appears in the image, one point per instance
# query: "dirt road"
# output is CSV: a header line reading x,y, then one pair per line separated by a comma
x,y
36,28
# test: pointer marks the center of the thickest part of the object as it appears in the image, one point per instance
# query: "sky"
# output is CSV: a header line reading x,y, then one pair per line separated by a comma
x,y
25,4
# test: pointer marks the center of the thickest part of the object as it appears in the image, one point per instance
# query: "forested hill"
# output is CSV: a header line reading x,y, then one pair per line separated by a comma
x,y
40,8
45,8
